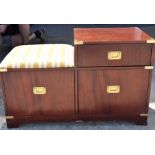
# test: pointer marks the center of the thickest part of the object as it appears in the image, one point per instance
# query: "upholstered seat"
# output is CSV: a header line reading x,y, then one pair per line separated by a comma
x,y
40,56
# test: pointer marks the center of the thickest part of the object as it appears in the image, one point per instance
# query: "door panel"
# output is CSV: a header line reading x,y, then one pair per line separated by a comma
x,y
58,100
94,99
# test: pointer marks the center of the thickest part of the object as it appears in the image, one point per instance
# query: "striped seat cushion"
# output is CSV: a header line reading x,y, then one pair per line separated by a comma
x,y
40,56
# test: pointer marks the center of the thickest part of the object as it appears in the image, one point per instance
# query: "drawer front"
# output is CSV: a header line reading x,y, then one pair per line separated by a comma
x,y
40,93
117,92
114,55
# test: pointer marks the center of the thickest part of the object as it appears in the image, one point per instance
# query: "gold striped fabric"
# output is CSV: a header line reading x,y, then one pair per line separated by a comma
x,y
40,56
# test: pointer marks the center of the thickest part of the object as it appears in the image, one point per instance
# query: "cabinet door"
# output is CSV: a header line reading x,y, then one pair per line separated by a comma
x,y
22,100
127,94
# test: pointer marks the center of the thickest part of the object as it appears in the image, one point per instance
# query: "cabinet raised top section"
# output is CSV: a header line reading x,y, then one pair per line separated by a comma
x,y
110,35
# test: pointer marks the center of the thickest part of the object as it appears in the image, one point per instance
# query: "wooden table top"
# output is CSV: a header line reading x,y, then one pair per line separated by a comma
x,y
110,35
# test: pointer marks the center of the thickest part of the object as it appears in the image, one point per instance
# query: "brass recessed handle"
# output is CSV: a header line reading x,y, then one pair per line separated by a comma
x,y
113,89
114,55
39,90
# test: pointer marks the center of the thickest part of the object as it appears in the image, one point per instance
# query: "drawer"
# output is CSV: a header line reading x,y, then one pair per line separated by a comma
x,y
113,91
45,93
114,55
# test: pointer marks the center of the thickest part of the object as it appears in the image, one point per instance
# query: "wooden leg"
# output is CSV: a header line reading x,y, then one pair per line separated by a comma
x,y
141,121
12,123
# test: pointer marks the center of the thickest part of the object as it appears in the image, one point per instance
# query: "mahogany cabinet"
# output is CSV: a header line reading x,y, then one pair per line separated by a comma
x,y
110,80
114,73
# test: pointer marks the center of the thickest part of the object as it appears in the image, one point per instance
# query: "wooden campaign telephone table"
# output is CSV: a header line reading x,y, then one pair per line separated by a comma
x,y
105,76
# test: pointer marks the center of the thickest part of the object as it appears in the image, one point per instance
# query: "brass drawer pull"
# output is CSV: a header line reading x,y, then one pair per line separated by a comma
x,y
39,90
144,114
114,55
113,89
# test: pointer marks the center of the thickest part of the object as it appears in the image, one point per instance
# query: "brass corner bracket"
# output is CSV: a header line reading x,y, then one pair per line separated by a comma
x,y
3,69
76,29
78,42
151,41
148,67
7,117
144,114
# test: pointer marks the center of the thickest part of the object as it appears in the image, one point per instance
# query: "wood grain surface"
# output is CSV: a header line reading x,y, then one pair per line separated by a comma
x,y
110,35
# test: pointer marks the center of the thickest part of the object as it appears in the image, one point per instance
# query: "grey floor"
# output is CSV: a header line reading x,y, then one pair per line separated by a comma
x,y
63,34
